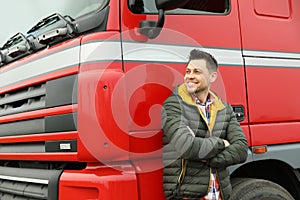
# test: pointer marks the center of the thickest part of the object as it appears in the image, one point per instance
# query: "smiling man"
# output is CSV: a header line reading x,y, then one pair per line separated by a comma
x,y
198,77
201,136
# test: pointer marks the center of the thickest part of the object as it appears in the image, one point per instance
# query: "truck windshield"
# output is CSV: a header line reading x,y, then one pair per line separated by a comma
x,y
20,15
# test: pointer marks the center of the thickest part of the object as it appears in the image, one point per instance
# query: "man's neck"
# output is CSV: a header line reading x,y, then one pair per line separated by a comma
x,y
202,96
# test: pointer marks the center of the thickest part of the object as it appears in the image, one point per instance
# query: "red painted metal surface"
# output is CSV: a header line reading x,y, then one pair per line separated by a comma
x,y
39,113
270,25
100,182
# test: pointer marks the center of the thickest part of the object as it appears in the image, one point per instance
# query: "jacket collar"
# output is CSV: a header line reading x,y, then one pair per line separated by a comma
x,y
184,94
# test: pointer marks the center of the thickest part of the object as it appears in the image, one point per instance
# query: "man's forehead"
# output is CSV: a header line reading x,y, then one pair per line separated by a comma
x,y
197,64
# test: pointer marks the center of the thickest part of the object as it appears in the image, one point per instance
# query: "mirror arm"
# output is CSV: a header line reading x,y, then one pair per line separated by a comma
x,y
161,18
151,28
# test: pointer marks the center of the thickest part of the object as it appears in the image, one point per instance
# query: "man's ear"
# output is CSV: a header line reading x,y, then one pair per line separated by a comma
x,y
213,77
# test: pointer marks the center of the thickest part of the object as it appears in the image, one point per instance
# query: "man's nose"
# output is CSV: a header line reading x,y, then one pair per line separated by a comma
x,y
190,75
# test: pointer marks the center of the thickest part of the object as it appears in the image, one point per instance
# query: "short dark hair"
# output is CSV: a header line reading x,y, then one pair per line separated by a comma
x,y
211,62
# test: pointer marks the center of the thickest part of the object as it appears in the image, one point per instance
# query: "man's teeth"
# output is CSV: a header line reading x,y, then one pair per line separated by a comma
x,y
191,84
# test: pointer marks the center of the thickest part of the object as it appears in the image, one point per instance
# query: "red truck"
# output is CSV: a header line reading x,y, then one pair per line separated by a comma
x,y
82,83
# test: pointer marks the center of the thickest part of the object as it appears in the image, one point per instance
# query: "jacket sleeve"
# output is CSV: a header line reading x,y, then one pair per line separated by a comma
x,y
237,151
179,137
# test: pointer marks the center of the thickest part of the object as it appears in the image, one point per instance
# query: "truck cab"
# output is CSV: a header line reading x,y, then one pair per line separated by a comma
x,y
82,83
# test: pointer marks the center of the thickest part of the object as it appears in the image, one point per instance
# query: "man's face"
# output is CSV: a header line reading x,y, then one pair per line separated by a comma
x,y
197,77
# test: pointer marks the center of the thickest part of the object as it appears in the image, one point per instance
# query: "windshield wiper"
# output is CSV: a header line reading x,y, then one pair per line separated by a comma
x,y
49,30
52,29
16,47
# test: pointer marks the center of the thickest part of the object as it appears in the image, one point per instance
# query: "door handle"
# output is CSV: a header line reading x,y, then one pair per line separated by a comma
x,y
239,112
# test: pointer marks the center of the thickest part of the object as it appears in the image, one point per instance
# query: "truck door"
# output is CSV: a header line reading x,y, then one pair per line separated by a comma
x,y
270,40
153,67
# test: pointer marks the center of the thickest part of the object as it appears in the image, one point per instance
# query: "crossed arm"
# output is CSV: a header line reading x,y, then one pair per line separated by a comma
x,y
217,152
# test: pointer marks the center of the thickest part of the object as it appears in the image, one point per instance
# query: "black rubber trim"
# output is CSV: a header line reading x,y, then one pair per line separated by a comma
x,y
32,147
22,127
56,123
61,146
60,123
62,91
40,147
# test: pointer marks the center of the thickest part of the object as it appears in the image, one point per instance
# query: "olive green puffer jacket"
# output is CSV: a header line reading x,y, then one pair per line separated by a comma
x,y
191,147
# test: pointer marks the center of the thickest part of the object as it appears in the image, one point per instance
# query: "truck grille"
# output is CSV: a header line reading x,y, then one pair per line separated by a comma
x,y
53,93
30,98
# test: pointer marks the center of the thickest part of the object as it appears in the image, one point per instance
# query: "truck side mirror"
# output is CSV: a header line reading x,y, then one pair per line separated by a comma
x,y
152,28
169,4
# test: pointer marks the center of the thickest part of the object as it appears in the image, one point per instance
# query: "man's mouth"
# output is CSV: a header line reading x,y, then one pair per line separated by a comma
x,y
191,84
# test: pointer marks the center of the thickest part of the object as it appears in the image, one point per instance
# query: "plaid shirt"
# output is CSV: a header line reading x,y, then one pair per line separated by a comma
x,y
214,185
214,188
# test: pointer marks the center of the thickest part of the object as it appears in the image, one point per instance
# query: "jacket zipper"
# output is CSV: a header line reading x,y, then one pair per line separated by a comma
x,y
210,128
208,188
180,178
182,172
222,196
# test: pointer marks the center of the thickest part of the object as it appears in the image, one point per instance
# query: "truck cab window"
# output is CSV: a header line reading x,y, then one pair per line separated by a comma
x,y
191,7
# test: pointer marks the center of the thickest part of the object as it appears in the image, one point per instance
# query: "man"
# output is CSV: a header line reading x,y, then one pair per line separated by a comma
x,y
201,136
